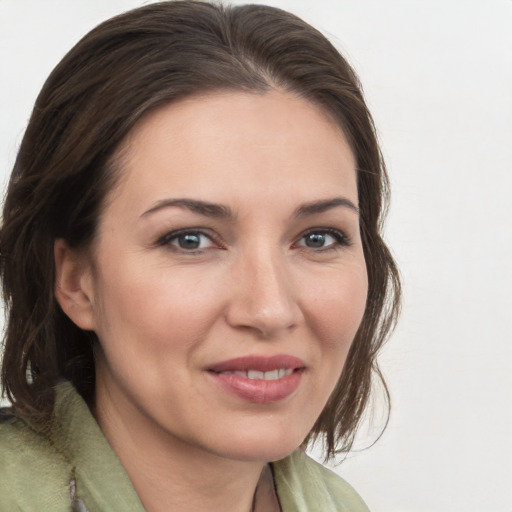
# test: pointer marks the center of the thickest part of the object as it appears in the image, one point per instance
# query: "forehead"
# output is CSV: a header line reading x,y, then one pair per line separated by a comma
x,y
234,145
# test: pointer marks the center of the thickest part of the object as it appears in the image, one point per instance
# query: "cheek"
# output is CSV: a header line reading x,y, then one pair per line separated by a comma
x,y
153,305
335,312
337,307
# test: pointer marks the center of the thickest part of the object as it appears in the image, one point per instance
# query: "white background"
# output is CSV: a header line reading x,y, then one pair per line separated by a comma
x,y
438,78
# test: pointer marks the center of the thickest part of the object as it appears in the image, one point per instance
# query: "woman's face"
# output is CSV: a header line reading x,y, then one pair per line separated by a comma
x,y
228,279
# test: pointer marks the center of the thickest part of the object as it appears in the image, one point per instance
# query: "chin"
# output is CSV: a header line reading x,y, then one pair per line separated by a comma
x,y
260,447
259,454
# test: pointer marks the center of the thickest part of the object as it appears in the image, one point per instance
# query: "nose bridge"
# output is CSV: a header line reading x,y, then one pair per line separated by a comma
x,y
264,297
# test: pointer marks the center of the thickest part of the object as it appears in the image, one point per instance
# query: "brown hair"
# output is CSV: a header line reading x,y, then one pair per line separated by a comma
x,y
66,165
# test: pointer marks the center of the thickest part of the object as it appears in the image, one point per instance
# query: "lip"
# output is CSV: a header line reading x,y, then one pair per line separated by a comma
x,y
260,363
258,391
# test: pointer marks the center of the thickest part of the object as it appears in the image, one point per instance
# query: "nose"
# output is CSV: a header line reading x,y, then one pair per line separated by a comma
x,y
263,297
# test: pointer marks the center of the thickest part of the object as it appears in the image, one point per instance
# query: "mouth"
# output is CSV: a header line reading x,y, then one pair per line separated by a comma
x,y
259,379
259,375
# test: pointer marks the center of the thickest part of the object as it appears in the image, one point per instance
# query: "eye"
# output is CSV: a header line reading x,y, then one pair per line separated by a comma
x,y
323,239
187,241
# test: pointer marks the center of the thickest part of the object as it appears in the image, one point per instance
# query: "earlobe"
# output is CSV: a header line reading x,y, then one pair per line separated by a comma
x,y
73,285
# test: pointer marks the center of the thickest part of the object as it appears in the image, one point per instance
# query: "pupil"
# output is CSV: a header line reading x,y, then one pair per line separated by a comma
x,y
189,241
315,240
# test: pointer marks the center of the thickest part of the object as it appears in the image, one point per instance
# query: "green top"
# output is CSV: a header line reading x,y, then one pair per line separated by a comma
x,y
75,469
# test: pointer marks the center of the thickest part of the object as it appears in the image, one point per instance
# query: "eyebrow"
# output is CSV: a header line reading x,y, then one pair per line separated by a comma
x,y
324,205
201,207
220,211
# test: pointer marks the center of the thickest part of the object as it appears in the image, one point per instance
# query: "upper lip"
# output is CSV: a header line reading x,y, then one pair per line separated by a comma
x,y
259,363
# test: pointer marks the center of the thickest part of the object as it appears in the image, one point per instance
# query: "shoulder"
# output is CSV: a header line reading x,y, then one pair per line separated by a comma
x,y
33,475
304,485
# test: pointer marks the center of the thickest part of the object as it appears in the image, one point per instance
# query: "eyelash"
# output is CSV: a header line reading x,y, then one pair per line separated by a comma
x,y
341,240
168,238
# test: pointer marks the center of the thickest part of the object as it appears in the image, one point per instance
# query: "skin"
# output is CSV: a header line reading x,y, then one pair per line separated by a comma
x,y
256,285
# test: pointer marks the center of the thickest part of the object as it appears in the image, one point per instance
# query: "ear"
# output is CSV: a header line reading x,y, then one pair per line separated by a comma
x,y
74,285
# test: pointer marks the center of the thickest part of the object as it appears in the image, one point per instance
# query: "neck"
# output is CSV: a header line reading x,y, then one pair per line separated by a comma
x,y
170,474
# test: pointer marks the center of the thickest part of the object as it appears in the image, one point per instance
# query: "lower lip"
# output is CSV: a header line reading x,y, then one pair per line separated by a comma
x,y
258,391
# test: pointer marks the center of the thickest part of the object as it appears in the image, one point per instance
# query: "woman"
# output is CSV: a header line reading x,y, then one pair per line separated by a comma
x,y
195,280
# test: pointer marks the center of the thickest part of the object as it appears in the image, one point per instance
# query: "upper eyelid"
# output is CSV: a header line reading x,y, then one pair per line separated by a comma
x,y
175,233
327,230
322,229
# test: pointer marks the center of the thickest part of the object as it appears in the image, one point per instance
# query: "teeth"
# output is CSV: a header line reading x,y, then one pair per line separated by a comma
x,y
254,374
273,375
258,375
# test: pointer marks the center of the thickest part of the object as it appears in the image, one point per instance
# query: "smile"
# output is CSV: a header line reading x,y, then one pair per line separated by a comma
x,y
258,379
259,375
